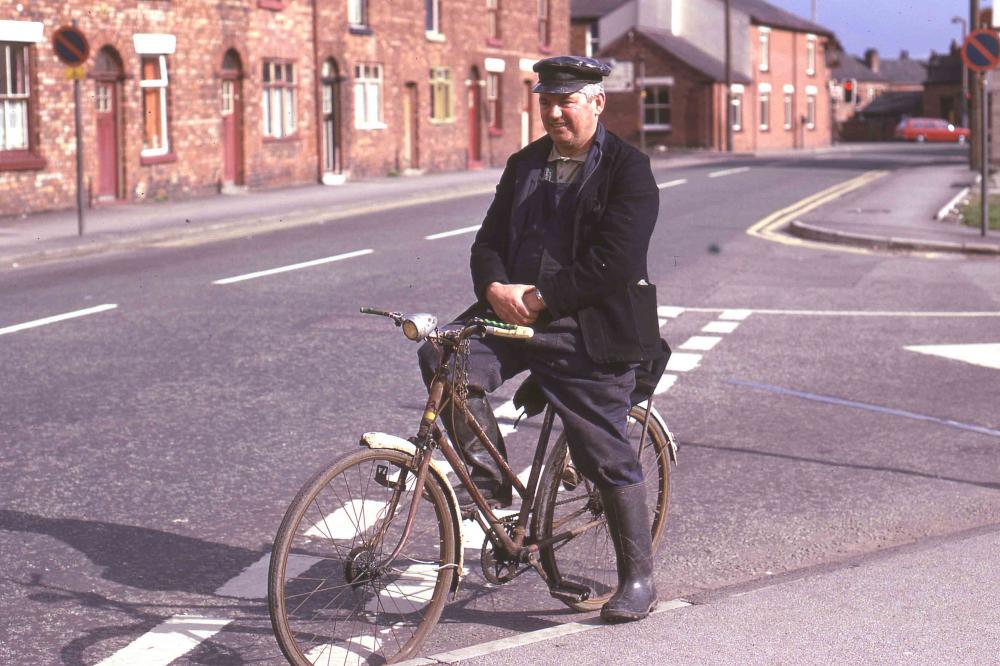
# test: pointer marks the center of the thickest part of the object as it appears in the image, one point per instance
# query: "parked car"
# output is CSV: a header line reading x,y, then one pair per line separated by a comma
x,y
930,129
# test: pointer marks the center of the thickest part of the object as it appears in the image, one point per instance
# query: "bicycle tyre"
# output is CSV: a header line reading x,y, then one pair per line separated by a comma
x,y
328,601
589,558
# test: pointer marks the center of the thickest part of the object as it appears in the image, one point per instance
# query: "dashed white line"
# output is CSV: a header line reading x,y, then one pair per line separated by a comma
x,y
293,267
56,318
669,311
166,642
701,342
666,381
720,327
453,232
671,183
683,362
735,315
728,172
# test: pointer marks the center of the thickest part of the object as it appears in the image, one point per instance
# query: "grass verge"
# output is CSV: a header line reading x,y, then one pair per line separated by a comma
x,y
971,212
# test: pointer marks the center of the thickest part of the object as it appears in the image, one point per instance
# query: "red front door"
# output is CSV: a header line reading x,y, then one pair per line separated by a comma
x,y
107,140
230,132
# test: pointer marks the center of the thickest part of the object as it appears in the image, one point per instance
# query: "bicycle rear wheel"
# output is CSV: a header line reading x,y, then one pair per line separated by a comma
x,y
568,501
332,597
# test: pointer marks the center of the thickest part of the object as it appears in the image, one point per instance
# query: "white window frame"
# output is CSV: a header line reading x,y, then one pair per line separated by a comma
x,y
764,108
494,100
368,77
163,85
357,13
442,85
493,19
736,107
544,29
789,104
432,20
593,39
278,100
765,48
811,55
811,112
647,85
15,107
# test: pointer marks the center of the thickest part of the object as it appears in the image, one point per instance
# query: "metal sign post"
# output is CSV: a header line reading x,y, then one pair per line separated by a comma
x,y
981,53
984,160
72,48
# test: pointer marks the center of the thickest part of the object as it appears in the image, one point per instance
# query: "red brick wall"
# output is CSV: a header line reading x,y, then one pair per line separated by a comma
x,y
206,30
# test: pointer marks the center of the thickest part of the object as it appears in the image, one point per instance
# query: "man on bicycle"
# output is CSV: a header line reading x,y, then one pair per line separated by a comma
x,y
563,249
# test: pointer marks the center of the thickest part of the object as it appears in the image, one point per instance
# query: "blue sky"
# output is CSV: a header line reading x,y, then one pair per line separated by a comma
x,y
888,25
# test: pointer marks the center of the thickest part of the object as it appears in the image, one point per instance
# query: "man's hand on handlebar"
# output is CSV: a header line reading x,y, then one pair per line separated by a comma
x,y
514,303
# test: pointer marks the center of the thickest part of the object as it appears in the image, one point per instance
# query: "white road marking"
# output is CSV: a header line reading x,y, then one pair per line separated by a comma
x,y
293,267
669,311
735,315
720,327
251,583
507,411
410,590
666,381
671,183
700,342
728,172
683,362
355,652
453,232
528,638
166,642
473,535
56,318
986,355
350,520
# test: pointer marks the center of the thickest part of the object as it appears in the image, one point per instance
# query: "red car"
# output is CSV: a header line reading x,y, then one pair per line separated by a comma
x,y
930,129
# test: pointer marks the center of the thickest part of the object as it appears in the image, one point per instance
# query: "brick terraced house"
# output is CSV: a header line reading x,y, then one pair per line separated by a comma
x,y
187,97
669,85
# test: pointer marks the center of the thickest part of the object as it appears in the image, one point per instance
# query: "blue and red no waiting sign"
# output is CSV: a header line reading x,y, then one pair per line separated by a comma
x,y
70,45
981,50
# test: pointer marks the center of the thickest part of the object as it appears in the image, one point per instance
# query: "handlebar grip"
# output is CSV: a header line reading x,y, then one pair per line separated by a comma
x,y
374,311
515,332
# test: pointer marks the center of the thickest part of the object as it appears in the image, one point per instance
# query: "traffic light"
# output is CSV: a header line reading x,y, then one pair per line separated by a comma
x,y
849,91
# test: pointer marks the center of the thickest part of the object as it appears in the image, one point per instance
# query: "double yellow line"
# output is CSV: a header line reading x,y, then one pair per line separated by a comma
x,y
767,228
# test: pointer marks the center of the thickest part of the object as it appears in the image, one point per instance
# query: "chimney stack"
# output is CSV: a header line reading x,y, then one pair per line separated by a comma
x,y
871,59
904,55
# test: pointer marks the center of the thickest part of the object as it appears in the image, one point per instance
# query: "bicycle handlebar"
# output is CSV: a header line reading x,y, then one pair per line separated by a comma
x,y
417,327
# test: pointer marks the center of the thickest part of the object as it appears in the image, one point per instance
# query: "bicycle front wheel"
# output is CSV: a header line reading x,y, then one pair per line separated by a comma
x,y
567,501
333,597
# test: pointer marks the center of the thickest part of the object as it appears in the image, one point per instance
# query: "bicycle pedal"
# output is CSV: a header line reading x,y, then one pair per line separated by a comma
x,y
568,592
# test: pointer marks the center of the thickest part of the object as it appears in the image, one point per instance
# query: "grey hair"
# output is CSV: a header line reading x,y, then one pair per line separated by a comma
x,y
592,90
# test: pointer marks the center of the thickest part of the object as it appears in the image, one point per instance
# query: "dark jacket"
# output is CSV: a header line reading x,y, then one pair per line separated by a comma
x,y
606,285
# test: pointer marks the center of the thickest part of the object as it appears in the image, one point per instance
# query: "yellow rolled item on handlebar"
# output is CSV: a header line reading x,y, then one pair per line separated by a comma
x,y
516,332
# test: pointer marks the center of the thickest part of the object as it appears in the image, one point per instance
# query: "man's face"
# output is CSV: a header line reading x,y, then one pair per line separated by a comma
x,y
570,119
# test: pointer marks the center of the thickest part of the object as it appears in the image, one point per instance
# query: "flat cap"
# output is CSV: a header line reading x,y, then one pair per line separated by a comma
x,y
562,75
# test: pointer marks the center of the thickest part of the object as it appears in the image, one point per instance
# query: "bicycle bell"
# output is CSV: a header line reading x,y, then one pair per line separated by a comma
x,y
418,326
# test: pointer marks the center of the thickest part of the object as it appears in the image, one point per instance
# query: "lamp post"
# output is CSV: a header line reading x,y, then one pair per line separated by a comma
x,y
965,76
729,82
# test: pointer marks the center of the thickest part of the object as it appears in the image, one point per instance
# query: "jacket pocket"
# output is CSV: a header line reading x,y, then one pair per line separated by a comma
x,y
642,298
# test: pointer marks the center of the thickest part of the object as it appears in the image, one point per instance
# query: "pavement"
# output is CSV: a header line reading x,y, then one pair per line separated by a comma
x,y
933,602
909,225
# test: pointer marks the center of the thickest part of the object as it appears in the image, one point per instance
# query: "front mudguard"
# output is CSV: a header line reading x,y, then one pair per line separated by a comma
x,y
381,440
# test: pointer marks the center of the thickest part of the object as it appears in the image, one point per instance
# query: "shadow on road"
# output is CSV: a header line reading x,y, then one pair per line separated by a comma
x,y
138,556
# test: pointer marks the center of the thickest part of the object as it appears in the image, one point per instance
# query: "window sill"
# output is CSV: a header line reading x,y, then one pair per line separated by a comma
x,y
372,126
495,42
291,138
359,30
441,121
658,128
149,160
495,131
21,160
433,36
273,5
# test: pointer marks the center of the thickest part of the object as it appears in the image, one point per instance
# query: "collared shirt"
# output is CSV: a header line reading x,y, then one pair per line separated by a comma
x,y
560,169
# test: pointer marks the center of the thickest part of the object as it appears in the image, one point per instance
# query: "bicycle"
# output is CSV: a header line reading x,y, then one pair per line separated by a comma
x,y
371,547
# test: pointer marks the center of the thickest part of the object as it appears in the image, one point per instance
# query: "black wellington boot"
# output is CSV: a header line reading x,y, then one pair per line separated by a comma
x,y
484,470
628,523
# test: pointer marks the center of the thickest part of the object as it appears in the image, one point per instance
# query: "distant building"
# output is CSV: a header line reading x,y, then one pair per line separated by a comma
x,y
943,87
189,97
668,87
858,83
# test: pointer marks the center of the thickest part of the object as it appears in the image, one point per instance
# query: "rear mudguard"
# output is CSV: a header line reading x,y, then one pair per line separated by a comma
x,y
655,416
381,440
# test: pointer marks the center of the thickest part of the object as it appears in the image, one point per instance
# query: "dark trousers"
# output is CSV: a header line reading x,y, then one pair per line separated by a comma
x,y
591,399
